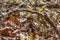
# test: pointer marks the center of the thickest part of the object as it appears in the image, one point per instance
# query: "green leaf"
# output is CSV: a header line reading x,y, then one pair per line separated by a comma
x,y
31,36
41,9
21,38
40,0
18,1
33,2
30,8
43,6
40,19
28,15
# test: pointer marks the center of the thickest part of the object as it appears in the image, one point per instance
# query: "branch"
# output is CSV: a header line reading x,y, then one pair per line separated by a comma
x,y
39,14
